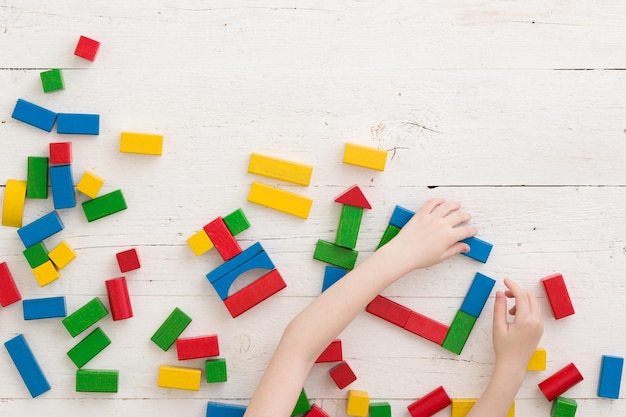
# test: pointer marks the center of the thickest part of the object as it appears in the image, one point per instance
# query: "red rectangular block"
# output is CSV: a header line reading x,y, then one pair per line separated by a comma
x,y
260,290
333,353
119,300
426,327
9,293
430,404
558,296
197,347
560,382
222,239
389,310
342,374
128,260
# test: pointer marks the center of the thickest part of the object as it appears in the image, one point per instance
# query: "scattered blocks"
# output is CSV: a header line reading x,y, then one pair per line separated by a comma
x,y
216,370
90,184
78,124
222,239
119,300
36,255
13,203
96,381
479,249
459,332
382,409
563,407
333,353
34,115
430,403
62,255
332,274
477,295
537,362
200,243
141,143
37,178
558,296
179,378
87,48
89,347
85,317
46,273
335,255
214,409
197,347
172,327
40,229
60,153
105,205
236,222
358,403
44,308
280,169
27,365
364,156
280,200
610,376
560,382
9,293
260,290
52,80
128,260
62,185
302,405
342,374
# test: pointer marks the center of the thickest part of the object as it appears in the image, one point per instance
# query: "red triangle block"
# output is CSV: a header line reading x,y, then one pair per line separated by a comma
x,y
353,196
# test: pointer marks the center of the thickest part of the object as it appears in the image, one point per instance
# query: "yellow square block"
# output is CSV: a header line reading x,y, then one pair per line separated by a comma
x,y
364,156
537,362
179,378
358,403
280,169
13,204
90,184
62,255
280,200
200,243
462,406
143,143
46,273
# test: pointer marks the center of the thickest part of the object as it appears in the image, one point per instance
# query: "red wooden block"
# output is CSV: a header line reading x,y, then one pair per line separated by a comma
x,y
119,300
426,327
87,48
353,196
389,310
560,382
333,353
60,153
430,404
342,374
558,296
261,289
197,347
128,260
223,240
316,412
9,293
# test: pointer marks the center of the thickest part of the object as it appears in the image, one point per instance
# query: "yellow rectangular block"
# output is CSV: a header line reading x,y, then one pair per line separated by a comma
x,y
179,378
280,200
462,406
200,243
143,143
365,156
537,362
62,255
46,273
358,403
90,184
13,204
280,169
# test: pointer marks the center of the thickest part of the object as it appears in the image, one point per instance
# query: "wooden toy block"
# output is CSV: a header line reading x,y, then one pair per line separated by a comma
x,y
236,222
358,403
332,274
349,225
197,347
78,124
216,370
62,185
260,290
34,115
46,273
333,353
9,293
560,382
200,243
119,300
558,296
302,405
234,263
389,310
318,412
459,332
105,205
563,407
96,380
62,255
280,169
400,216
52,80
172,327
390,233
37,177
36,255
335,255
60,153
462,406
177,377
537,361
87,48
430,404
260,261
27,365
610,376
353,196
40,229
427,328
141,143
90,184
222,239
214,409
89,347
365,156
342,374
479,249
44,308
128,260
382,409
13,203
280,200
85,317
477,295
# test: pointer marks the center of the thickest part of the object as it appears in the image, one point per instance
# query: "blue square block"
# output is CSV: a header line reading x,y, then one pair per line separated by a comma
x,y
332,275
610,376
34,115
224,410
40,229
400,217
477,295
78,124
27,365
44,308
62,186
479,249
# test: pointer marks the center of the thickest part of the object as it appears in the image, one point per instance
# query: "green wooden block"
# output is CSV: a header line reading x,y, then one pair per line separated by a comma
x,y
216,370
380,409
36,255
335,255
303,405
391,232
89,347
172,327
52,80
349,225
459,331
96,381
104,205
37,177
563,407
85,317
236,222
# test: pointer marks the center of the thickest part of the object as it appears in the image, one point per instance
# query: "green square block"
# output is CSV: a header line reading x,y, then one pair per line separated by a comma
x,y
36,255
236,222
380,409
89,347
104,205
85,317
172,327
303,405
563,407
216,370
335,255
391,232
349,225
52,80
37,177
459,331
96,381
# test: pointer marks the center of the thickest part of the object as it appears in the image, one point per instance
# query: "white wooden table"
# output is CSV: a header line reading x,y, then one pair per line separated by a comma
x,y
516,109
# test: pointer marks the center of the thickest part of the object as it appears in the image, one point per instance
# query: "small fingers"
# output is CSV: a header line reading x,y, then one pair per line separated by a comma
x,y
445,208
458,217
522,303
455,249
430,205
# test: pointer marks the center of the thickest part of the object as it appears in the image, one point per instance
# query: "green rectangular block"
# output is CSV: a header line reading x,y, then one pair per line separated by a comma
x,y
382,409
172,327
303,405
349,225
104,205
89,347
96,381
391,232
236,222
459,332
563,407
335,255
216,370
37,178
36,255
85,317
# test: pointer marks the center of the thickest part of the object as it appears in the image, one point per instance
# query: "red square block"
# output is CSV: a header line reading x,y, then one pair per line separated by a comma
x,y
333,353
558,296
60,153
342,374
128,260
8,290
87,48
197,347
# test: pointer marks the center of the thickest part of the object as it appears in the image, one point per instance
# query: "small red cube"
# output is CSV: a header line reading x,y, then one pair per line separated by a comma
x,y
342,374
128,260
60,153
87,48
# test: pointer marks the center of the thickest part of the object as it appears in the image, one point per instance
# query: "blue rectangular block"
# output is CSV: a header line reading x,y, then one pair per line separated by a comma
x,y
332,274
78,124
479,249
235,262
34,115
223,284
400,217
27,365
62,185
477,295
610,376
44,308
224,410
40,229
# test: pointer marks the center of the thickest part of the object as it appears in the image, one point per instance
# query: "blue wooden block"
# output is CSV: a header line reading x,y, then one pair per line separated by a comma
x,y
62,185
610,376
27,365
332,275
40,229
235,262
479,249
223,284
400,217
224,410
44,308
477,295
78,124
34,115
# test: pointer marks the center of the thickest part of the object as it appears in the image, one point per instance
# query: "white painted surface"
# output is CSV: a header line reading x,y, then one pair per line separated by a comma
x,y
483,99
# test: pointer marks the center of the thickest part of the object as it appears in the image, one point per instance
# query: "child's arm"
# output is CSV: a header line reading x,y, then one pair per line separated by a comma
x,y
431,236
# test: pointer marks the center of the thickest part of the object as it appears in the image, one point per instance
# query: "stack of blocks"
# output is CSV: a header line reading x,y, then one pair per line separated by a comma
x,y
555,385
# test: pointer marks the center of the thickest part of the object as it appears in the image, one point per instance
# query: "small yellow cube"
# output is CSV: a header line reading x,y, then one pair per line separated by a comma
x,y
90,184
46,273
358,403
537,362
62,255
200,243
179,378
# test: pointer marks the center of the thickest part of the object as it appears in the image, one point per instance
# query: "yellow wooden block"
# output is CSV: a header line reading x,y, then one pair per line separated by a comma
x,y
462,406
143,143
365,156
46,273
280,200
62,255
90,184
13,204
537,362
200,243
280,169
179,378
358,403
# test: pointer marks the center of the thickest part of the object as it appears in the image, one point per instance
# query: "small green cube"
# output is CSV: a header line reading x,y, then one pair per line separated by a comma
x,y
380,409
303,405
563,407
52,80
216,370
36,255
236,222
